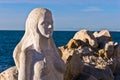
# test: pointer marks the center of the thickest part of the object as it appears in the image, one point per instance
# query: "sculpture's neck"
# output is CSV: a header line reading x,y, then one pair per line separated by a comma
x,y
41,43
45,43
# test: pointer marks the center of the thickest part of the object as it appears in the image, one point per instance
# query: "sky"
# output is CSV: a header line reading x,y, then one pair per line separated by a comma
x,y
67,14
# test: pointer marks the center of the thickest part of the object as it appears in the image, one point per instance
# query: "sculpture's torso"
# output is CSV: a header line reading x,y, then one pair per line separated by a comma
x,y
39,66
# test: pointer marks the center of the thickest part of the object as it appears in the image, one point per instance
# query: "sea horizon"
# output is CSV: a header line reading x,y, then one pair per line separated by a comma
x,y
71,30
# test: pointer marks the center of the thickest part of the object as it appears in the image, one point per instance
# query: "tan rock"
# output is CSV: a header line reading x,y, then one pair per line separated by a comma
x,y
103,33
102,37
109,48
65,53
9,74
72,44
60,50
96,34
102,53
75,43
87,37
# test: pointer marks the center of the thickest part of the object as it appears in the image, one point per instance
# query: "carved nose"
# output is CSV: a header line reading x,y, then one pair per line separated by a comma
x,y
49,26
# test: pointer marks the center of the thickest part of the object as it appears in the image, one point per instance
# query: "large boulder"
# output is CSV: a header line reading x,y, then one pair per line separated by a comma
x,y
87,37
9,74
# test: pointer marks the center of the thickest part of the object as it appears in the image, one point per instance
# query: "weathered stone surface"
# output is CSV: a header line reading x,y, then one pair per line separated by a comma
x,y
109,48
9,74
84,76
105,34
65,53
99,74
75,43
102,37
87,37
96,34
79,58
102,53
36,55
74,67
117,59
83,59
117,51
72,44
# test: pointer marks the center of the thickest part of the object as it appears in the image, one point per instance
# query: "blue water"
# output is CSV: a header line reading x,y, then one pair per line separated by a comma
x,y
9,39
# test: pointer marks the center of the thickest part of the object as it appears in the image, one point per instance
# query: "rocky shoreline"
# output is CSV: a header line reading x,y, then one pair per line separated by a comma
x,y
93,54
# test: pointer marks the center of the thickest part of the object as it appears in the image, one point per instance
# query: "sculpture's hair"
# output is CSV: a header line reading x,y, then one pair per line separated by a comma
x,y
30,31
34,16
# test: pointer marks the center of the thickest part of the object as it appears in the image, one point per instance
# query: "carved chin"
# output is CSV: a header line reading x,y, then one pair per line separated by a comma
x,y
48,36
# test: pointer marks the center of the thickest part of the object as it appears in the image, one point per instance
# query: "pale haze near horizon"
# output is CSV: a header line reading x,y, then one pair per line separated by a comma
x,y
67,14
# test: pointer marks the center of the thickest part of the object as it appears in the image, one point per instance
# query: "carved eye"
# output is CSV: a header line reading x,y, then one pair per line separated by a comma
x,y
45,23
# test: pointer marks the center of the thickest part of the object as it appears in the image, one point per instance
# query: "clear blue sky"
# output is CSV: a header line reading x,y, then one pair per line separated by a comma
x,y
67,14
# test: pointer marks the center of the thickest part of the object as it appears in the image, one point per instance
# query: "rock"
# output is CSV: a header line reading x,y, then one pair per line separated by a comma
x,y
68,50
96,34
75,43
109,48
60,50
117,58
65,53
9,74
102,38
117,51
99,74
74,67
87,62
87,37
117,77
84,51
102,53
82,63
84,76
36,55
72,44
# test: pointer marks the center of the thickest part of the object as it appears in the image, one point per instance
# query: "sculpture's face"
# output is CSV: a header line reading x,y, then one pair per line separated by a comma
x,y
45,25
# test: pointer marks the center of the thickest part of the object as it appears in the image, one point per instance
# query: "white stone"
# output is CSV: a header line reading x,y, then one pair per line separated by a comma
x,y
36,55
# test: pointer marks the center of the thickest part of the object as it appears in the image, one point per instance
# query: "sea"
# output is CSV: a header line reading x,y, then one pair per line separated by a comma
x,y
9,39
